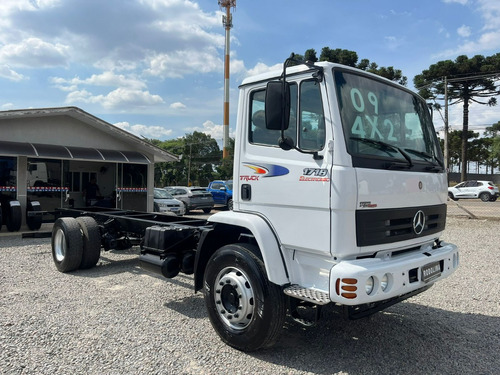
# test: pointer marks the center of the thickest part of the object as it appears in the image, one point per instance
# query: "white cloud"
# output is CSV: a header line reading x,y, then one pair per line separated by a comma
x,y
121,98
11,75
34,53
464,31
261,68
212,129
177,105
462,2
7,106
488,41
155,132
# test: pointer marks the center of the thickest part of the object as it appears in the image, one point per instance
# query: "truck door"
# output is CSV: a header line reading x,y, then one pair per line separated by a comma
x,y
289,188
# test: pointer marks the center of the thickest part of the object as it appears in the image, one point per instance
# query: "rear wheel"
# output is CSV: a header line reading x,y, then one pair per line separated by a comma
x,y
91,250
67,244
246,310
485,197
493,198
230,204
207,210
13,216
33,222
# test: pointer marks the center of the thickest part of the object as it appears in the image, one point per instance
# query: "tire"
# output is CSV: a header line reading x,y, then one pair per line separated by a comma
x,y
67,244
33,222
91,236
485,197
230,204
186,210
14,216
248,311
450,195
207,210
493,198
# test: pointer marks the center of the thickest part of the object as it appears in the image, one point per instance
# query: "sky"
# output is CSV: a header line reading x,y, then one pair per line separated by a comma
x,y
155,67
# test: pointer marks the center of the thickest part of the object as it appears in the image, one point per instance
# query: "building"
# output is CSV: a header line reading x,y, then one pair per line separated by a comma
x,y
50,155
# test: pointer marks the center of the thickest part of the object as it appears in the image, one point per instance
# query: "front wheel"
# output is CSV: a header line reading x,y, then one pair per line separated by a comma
x,y
485,197
246,310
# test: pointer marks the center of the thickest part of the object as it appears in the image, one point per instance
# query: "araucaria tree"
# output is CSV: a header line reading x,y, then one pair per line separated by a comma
x,y
469,80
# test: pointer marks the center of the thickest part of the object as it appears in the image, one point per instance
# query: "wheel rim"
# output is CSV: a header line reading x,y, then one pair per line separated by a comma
x,y
234,298
60,245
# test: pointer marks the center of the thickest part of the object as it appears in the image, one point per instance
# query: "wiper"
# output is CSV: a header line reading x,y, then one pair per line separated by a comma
x,y
425,155
385,146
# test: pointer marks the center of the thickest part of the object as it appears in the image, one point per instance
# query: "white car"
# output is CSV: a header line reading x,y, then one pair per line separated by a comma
x,y
484,190
165,202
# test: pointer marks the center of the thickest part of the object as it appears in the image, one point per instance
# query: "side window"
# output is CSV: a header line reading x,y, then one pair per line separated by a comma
x,y
258,133
311,117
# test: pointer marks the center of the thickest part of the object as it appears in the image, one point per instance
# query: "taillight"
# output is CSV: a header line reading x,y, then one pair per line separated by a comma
x,y
490,187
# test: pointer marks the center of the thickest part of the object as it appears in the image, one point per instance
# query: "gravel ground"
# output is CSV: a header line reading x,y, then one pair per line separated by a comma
x,y
118,319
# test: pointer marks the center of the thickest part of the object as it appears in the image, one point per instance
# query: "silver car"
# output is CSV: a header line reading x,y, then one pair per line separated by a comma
x,y
165,202
194,198
484,190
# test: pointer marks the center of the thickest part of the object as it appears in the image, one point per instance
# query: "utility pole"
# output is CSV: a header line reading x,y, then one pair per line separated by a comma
x,y
446,128
227,22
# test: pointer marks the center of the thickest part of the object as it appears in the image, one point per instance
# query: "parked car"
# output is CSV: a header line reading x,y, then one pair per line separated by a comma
x,y
484,190
194,198
222,192
165,202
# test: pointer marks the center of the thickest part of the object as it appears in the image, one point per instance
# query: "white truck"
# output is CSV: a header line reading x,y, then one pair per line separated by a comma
x,y
339,198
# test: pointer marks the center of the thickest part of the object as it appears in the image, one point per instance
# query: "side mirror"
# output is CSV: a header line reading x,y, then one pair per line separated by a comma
x,y
277,105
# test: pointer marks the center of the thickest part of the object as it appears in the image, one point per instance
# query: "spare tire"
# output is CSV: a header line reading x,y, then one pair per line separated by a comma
x,y
33,222
91,241
13,216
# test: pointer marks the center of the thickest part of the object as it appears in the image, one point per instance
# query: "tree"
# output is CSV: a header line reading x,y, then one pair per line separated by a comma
x,y
492,134
199,154
350,58
470,80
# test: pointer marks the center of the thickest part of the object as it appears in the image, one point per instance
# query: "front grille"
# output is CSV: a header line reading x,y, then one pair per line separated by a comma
x,y
375,227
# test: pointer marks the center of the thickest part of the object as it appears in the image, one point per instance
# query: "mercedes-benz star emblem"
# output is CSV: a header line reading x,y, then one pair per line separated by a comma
x,y
419,222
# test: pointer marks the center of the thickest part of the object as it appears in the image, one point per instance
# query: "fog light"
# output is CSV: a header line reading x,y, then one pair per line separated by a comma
x,y
384,282
369,285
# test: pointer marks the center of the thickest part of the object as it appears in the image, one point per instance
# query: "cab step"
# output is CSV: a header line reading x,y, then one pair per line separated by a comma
x,y
307,294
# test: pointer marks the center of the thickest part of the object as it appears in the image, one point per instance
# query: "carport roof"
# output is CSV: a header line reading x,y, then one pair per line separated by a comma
x,y
83,153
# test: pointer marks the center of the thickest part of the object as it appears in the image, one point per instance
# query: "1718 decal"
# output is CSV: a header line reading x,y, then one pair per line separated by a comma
x,y
315,175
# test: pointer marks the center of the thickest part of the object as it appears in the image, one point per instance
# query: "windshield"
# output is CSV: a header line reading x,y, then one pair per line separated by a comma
x,y
162,194
383,122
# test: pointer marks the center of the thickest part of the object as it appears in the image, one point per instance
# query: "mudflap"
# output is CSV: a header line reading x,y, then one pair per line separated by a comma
x,y
362,311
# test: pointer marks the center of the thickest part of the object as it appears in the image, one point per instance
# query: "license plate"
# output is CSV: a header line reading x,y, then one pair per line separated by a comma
x,y
431,271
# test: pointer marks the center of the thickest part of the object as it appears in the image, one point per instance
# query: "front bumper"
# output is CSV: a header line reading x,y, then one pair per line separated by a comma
x,y
391,276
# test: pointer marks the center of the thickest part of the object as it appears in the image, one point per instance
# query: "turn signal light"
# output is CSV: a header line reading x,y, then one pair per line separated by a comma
x,y
349,295
350,281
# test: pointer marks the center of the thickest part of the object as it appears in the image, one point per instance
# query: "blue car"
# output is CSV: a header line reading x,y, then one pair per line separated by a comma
x,y
222,192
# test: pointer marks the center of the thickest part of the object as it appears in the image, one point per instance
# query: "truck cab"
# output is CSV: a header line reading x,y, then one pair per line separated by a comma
x,y
345,169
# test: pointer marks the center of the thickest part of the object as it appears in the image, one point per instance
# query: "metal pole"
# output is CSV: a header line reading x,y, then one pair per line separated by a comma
x,y
225,142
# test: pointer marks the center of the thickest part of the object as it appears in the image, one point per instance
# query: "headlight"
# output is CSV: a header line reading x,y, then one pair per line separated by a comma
x,y
384,282
369,285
